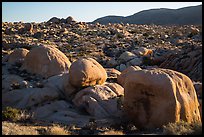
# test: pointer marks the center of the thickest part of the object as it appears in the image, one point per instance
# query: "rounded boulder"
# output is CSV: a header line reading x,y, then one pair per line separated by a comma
x,y
87,72
46,61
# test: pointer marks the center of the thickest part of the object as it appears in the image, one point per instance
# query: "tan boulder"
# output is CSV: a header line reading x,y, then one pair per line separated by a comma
x,y
87,72
121,78
156,97
46,61
18,56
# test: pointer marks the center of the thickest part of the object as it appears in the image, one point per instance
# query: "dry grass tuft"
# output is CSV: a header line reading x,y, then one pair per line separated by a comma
x,y
183,128
55,130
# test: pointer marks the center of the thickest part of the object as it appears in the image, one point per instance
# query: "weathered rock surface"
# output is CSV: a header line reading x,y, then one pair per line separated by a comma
x,y
46,61
28,97
100,100
159,92
61,112
61,83
10,82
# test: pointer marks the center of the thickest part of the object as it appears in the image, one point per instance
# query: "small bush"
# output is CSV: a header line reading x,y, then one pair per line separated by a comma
x,y
182,128
10,113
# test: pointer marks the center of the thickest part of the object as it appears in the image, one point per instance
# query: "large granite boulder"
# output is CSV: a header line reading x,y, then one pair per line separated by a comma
x,y
155,97
46,61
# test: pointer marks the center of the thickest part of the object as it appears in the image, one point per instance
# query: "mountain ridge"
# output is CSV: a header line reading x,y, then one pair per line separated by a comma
x,y
161,16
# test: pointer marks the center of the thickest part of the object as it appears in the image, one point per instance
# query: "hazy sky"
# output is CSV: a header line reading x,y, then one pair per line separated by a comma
x,y
80,11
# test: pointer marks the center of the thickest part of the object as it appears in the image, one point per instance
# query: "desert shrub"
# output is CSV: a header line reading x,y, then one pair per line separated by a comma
x,y
10,113
182,128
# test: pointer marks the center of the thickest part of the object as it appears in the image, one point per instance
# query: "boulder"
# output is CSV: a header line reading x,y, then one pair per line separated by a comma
x,y
156,97
28,27
126,56
100,101
87,72
112,62
119,90
46,61
38,35
136,62
18,56
142,51
64,112
61,83
121,78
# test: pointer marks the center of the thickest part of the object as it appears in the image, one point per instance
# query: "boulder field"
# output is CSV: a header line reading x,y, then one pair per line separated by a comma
x,y
74,92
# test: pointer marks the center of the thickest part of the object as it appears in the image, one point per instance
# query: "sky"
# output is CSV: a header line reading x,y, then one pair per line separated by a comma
x,y
80,11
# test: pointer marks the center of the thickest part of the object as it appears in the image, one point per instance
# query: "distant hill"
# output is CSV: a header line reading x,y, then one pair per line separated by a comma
x,y
183,16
